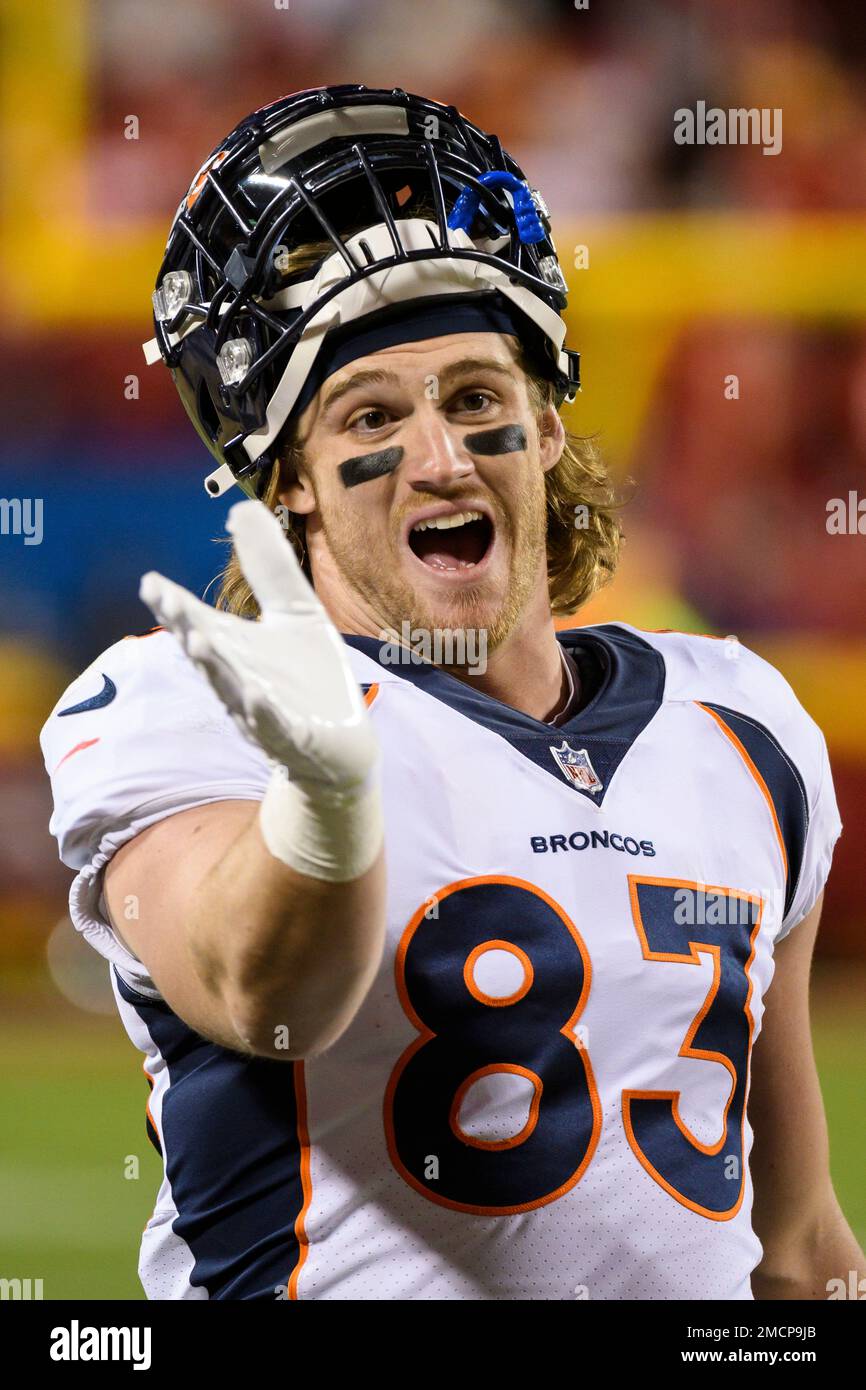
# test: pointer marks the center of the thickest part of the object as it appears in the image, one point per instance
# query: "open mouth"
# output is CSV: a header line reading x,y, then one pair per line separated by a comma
x,y
457,542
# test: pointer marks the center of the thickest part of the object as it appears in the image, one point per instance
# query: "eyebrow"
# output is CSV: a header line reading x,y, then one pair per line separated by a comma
x,y
377,376
373,377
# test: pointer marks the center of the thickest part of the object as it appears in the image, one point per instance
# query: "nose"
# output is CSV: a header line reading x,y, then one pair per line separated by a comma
x,y
434,455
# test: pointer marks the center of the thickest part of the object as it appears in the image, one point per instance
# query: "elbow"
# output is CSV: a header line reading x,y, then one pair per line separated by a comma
x,y
290,999
291,1026
277,1041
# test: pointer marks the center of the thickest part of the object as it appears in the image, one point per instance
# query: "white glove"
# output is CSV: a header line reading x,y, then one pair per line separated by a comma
x,y
287,682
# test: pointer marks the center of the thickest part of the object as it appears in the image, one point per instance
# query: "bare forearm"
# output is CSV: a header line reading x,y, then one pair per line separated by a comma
x,y
294,956
818,1262
290,957
249,952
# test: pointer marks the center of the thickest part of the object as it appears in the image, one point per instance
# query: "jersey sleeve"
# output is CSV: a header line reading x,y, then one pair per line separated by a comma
x,y
824,829
790,752
781,743
139,736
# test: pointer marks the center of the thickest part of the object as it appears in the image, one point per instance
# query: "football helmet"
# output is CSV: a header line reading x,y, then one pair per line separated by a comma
x,y
413,202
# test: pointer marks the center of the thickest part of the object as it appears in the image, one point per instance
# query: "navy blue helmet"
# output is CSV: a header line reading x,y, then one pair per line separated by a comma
x,y
413,201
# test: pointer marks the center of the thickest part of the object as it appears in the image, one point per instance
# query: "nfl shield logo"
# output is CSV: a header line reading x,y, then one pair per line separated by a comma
x,y
575,766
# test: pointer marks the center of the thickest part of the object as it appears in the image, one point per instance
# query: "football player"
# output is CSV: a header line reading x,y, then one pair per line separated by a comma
x,y
468,958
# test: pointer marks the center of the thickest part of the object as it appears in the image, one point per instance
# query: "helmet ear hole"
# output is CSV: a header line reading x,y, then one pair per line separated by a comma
x,y
207,413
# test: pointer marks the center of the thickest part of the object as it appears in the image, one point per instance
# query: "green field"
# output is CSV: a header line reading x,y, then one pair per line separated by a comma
x,y
72,1118
72,1114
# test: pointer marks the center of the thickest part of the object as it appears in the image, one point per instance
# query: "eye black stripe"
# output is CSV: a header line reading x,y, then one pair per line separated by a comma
x,y
505,439
367,466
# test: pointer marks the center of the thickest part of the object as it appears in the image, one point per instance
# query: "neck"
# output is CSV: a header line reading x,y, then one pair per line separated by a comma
x,y
526,671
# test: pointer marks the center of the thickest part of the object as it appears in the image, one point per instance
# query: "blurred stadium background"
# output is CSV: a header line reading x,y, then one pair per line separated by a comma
x,y
703,262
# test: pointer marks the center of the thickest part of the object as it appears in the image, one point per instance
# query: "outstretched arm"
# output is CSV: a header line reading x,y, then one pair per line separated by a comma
x,y
263,924
807,1241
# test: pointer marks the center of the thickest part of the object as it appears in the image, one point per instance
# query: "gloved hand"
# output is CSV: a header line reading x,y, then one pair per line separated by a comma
x,y
285,679
287,682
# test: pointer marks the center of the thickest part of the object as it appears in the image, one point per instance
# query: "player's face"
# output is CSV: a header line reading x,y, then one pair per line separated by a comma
x,y
411,435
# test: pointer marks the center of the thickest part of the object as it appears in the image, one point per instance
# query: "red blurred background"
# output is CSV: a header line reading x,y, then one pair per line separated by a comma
x,y
703,262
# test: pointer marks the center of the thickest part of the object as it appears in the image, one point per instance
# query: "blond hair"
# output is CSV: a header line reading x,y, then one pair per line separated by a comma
x,y
583,530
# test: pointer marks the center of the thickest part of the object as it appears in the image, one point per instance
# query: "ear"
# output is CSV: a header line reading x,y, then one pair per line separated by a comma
x,y
297,493
298,498
551,436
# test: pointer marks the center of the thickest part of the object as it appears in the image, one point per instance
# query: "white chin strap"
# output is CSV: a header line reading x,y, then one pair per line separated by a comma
x,y
380,289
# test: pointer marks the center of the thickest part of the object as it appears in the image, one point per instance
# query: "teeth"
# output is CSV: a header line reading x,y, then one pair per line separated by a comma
x,y
444,523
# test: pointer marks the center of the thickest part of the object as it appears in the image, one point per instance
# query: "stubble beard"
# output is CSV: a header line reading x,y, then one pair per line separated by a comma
x,y
394,600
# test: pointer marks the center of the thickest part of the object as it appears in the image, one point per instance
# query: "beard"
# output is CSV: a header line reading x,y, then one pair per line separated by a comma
x,y
393,600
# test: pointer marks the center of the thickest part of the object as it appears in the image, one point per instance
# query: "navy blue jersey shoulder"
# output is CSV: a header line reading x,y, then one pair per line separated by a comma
x,y
232,1152
784,784
628,696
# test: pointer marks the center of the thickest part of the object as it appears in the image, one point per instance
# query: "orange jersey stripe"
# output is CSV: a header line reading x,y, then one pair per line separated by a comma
x,y
764,789
88,743
306,1180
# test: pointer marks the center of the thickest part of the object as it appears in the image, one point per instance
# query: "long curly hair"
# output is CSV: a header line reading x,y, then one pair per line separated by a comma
x,y
583,529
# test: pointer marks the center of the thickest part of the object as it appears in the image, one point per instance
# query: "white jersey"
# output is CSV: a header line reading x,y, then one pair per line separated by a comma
x,y
544,1093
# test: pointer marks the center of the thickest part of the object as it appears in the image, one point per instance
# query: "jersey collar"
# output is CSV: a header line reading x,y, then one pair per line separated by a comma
x,y
628,697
